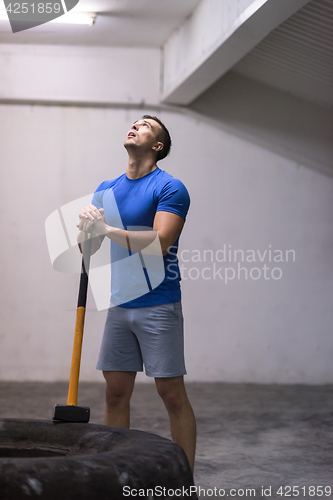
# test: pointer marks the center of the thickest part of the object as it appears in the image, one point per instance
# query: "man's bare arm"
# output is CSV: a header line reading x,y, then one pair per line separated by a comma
x,y
167,226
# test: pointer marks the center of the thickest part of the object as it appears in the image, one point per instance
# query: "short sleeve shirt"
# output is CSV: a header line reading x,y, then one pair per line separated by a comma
x,y
132,204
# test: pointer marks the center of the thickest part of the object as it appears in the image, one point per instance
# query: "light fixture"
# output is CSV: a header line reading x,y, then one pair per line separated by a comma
x,y
87,18
76,18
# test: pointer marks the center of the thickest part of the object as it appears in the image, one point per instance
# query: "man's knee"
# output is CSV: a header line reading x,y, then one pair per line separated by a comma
x,y
173,394
119,388
115,397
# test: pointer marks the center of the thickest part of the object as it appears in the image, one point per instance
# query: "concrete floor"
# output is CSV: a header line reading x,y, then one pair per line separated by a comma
x,y
249,436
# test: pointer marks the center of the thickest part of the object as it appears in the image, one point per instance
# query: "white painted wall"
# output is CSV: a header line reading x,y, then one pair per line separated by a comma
x,y
272,118
243,194
99,75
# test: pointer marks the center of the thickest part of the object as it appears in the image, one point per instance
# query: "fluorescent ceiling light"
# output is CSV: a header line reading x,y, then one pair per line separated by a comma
x,y
3,15
76,18
68,18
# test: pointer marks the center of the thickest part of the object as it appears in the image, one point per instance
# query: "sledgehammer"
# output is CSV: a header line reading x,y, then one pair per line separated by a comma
x,y
71,412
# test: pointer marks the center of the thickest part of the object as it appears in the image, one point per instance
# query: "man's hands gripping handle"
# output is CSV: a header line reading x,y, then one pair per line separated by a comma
x,y
92,218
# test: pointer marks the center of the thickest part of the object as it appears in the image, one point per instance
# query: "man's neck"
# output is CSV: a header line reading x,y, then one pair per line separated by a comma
x,y
139,167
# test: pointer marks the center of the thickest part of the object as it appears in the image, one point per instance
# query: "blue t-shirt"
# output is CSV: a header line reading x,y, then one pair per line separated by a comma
x,y
132,204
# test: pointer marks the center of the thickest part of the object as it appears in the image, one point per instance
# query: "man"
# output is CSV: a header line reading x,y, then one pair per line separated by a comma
x,y
148,329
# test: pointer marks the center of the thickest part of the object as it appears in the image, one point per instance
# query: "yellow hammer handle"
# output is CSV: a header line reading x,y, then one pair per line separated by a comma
x,y
76,358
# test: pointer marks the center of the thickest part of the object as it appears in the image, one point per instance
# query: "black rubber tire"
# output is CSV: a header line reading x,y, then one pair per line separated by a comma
x,y
49,460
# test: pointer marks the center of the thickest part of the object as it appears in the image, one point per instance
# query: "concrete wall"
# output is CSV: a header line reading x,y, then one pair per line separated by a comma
x,y
291,126
216,36
267,329
73,74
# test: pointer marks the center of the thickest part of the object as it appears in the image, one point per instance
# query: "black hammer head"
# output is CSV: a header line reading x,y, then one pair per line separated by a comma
x,y
71,413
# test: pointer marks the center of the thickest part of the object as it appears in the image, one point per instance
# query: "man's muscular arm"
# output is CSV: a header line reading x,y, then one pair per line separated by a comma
x,y
167,226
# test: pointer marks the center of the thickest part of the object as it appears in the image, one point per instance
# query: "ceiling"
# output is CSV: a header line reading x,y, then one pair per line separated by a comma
x,y
297,55
120,23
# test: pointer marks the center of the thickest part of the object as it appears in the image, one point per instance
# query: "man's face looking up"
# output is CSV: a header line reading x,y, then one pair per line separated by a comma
x,y
144,135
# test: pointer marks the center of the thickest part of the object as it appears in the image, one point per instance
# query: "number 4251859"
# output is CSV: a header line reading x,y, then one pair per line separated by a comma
x,y
34,7
311,491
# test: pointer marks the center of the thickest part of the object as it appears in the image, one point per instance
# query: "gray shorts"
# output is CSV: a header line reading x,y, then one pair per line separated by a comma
x,y
150,336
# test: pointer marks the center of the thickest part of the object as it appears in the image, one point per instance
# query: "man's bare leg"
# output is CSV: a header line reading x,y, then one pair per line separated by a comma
x,y
119,388
182,420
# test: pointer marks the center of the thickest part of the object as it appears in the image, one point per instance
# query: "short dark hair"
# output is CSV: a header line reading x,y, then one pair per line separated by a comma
x,y
163,136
